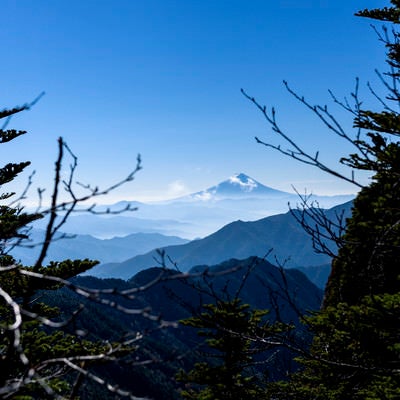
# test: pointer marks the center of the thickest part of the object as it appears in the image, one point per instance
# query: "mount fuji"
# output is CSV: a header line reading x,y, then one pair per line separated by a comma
x,y
237,186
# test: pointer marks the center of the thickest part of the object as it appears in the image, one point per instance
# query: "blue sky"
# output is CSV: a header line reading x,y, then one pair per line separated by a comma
x,y
163,78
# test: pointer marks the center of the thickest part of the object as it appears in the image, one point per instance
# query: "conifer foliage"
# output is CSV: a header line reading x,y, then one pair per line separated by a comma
x,y
356,351
228,373
41,354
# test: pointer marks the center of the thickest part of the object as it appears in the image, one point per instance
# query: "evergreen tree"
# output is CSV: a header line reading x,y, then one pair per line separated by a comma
x,y
228,373
40,355
356,351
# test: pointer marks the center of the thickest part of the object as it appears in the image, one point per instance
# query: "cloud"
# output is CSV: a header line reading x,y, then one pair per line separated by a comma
x,y
176,188
247,186
203,196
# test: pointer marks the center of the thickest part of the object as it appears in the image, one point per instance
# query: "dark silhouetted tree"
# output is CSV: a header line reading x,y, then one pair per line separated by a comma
x,y
228,371
43,353
355,352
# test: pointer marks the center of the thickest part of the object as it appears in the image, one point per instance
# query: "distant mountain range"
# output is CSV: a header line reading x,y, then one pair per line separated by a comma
x,y
279,236
107,227
86,246
198,214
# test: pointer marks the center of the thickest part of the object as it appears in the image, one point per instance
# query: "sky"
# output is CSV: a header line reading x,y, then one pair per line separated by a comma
x,y
162,78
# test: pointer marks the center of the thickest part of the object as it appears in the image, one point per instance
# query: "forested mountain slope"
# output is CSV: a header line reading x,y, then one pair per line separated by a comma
x,y
173,299
282,236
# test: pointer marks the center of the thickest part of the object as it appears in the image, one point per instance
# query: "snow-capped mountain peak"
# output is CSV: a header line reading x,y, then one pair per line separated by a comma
x,y
237,186
244,182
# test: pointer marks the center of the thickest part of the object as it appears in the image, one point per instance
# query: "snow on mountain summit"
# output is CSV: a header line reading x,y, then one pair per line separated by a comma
x,y
244,182
237,186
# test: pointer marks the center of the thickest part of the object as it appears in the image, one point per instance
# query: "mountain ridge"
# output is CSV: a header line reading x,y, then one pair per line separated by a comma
x,y
280,235
87,246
